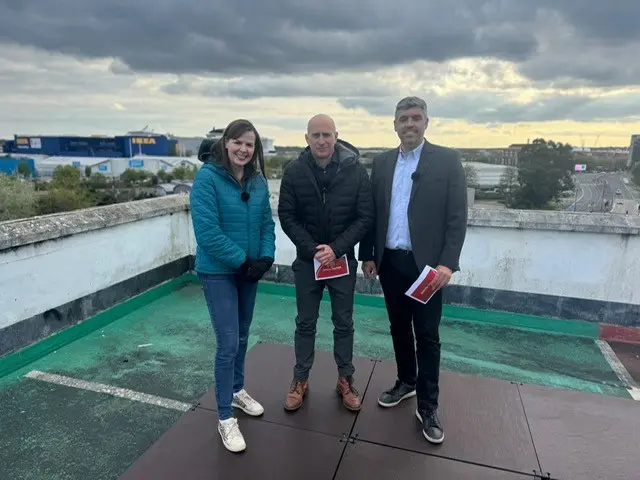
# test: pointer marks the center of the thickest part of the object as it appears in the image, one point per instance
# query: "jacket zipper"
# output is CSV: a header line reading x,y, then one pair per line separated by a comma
x,y
248,223
326,218
323,196
249,183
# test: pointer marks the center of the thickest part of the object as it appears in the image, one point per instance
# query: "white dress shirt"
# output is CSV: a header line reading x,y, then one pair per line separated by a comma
x,y
398,236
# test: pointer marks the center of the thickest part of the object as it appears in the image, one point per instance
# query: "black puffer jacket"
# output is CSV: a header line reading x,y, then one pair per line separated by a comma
x,y
340,218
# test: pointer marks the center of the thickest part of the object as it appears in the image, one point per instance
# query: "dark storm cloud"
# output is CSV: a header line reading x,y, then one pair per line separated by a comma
x,y
292,36
570,67
613,22
255,36
487,107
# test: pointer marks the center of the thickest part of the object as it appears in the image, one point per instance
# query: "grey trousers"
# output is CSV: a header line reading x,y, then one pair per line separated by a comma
x,y
308,296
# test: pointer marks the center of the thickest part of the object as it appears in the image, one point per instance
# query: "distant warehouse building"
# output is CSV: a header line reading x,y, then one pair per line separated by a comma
x,y
152,164
93,146
47,166
113,167
488,176
172,162
11,166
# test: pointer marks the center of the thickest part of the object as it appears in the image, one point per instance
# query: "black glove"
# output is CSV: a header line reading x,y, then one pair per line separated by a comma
x,y
257,268
244,268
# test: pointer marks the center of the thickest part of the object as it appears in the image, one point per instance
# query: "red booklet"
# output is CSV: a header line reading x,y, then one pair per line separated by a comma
x,y
338,268
423,288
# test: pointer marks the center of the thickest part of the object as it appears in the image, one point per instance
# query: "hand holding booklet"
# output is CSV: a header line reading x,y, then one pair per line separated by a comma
x,y
424,287
338,268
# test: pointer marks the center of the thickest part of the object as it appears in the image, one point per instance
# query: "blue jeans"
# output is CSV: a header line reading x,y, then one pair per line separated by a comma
x,y
230,301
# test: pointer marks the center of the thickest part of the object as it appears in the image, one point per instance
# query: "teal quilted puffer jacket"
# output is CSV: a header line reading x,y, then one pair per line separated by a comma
x,y
228,230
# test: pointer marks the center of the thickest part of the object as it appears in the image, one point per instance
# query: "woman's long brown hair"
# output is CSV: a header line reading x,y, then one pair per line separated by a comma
x,y
235,130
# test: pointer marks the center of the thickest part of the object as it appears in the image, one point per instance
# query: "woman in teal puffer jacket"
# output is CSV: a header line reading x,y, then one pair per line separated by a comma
x,y
235,236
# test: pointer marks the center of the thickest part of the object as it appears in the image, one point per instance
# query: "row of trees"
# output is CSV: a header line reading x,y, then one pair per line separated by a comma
x,y
20,198
68,190
131,176
545,171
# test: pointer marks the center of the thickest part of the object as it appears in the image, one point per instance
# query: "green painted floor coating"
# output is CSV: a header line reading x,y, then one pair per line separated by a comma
x,y
51,432
164,345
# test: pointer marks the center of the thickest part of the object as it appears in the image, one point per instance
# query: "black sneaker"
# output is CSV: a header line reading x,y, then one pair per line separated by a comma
x,y
431,426
393,396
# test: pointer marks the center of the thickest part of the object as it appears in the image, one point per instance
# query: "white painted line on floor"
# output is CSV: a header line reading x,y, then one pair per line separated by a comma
x,y
109,390
617,366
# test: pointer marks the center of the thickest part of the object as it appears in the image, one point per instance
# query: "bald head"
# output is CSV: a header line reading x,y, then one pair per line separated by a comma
x,y
321,121
321,137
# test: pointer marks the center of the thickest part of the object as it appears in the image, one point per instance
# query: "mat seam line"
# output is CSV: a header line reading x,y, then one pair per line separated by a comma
x,y
272,422
364,394
526,418
353,425
445,457
532,474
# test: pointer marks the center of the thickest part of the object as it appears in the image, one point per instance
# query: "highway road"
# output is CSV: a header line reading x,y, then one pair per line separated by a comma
x,y
596,188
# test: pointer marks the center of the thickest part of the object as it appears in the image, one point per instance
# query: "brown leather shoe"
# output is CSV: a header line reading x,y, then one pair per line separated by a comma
x,y
349,394
296,394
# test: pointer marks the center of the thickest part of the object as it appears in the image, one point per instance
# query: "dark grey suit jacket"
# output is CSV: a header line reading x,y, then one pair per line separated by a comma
x,y
437,211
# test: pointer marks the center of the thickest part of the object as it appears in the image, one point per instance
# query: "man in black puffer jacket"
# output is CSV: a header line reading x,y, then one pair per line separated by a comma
x,y
325,208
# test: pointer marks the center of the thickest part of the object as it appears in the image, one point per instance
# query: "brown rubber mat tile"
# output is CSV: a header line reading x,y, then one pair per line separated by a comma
x,y
268,374
192,449
483,421
375,462
581,435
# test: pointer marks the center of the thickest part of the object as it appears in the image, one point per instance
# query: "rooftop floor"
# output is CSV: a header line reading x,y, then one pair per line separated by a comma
x,y
62,423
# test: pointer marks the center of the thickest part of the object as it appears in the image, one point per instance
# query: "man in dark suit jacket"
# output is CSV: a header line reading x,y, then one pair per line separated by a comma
x,y
420,198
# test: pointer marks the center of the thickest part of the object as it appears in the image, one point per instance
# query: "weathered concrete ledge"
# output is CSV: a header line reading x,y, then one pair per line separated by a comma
x,y
37,229
555,220
17,233
547,220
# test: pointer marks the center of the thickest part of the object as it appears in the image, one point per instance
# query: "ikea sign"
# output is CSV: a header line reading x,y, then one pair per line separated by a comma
x,y
143,140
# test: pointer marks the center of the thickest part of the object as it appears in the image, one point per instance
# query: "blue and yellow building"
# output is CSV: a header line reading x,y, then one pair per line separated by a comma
x,y
92,146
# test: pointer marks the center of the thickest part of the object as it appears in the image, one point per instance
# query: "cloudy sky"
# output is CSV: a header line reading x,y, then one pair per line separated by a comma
x,y
493,72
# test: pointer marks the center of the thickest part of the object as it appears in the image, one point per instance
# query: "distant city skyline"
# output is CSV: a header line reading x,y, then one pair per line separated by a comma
x,y
189,139
491,74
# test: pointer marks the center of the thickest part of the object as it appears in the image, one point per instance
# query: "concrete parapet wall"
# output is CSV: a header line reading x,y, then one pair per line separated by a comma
x,y
561,221
19,233
58,269
594,257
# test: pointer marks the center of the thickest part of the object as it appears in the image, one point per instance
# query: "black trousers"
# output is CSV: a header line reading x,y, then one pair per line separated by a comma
x,y
309,293
418,361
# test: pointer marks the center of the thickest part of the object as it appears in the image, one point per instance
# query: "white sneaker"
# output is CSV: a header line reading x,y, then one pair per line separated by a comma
x,y
248,405
231,435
